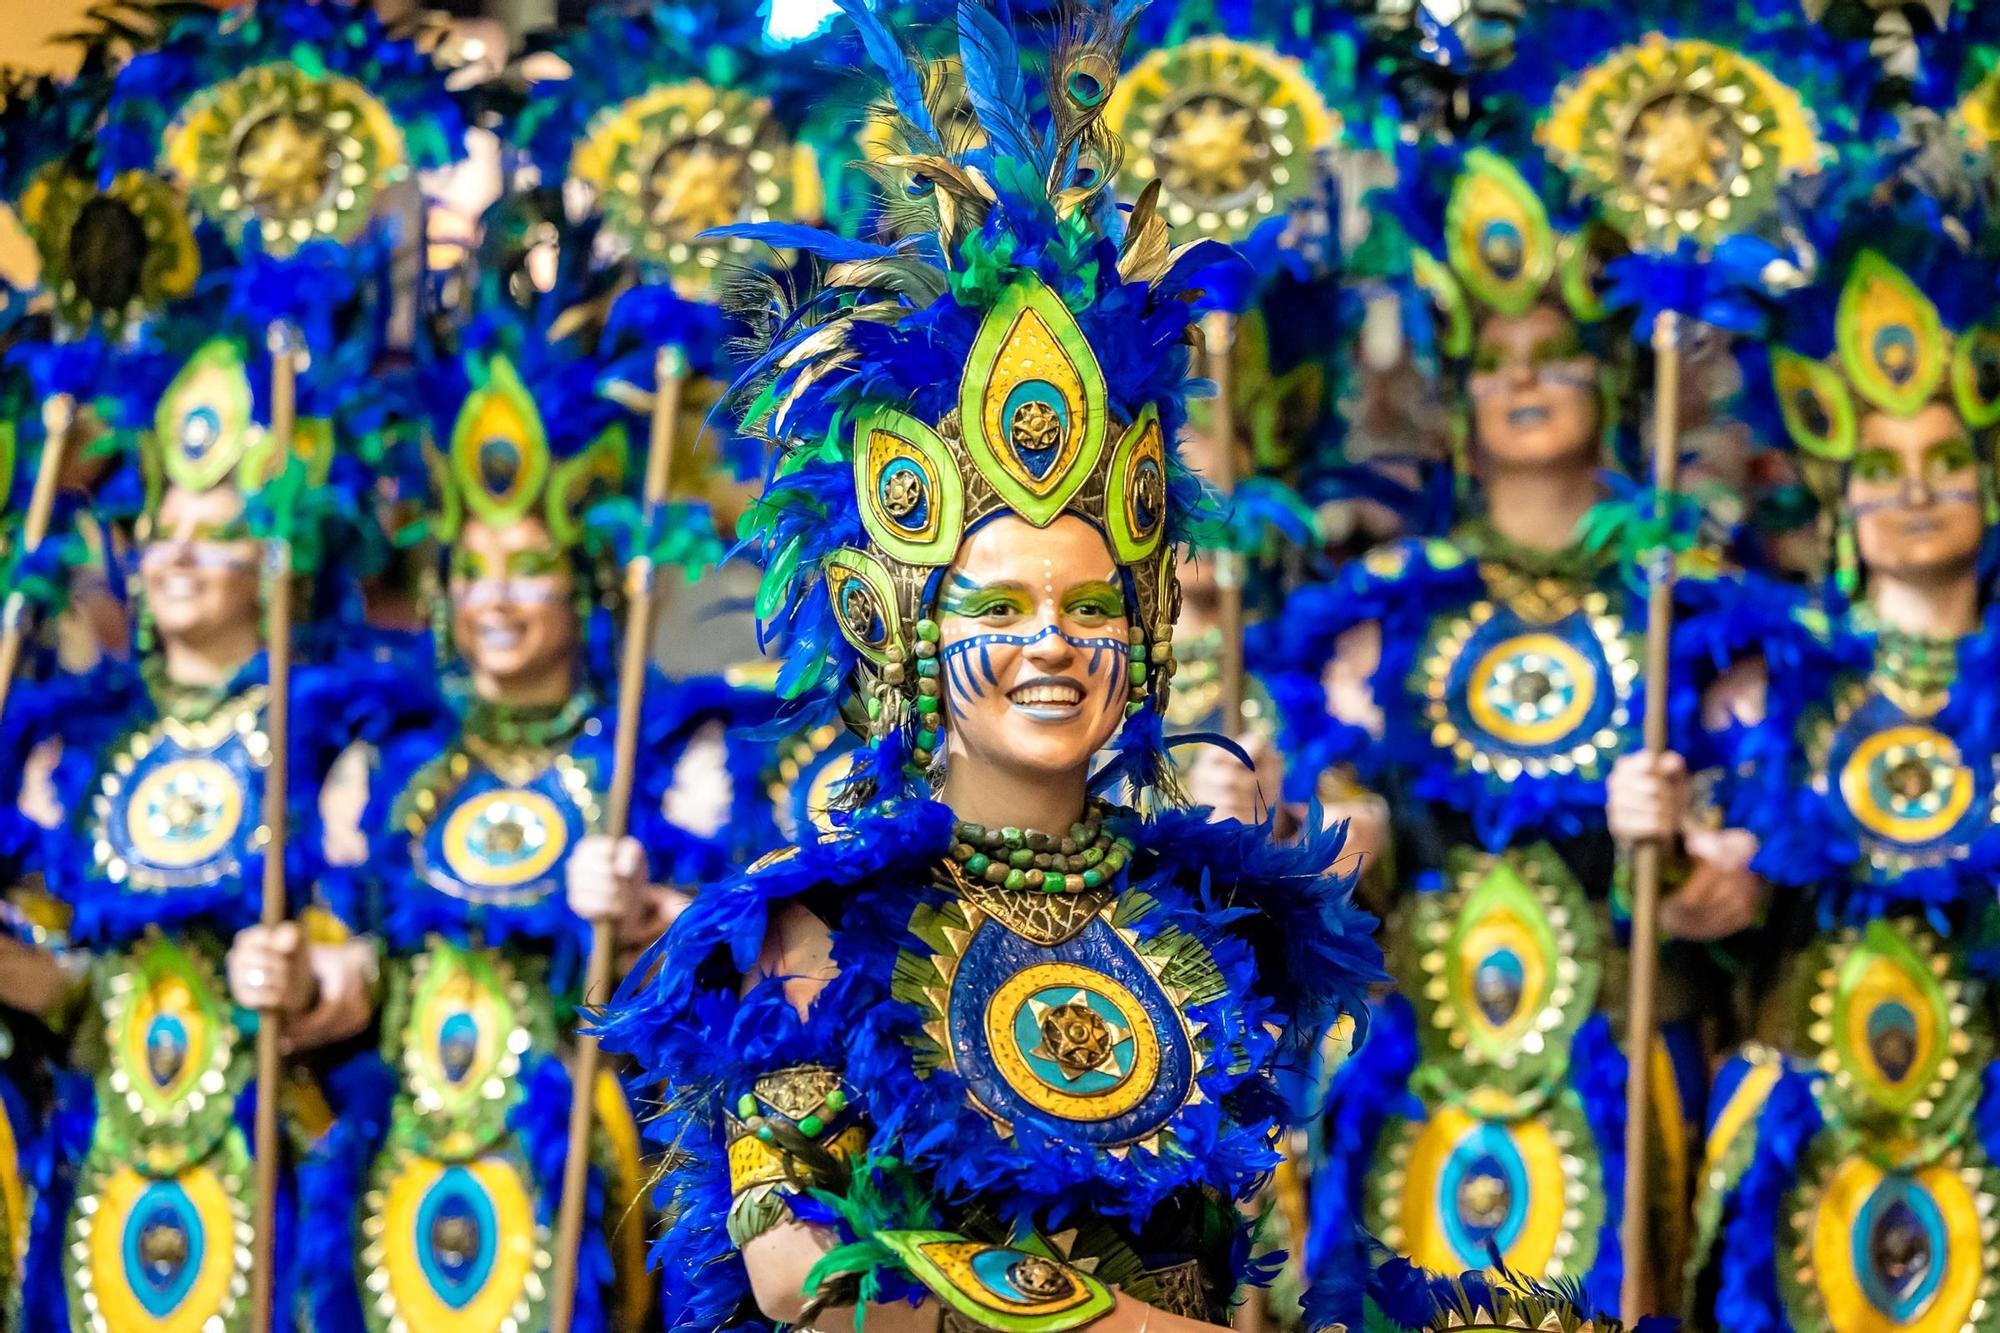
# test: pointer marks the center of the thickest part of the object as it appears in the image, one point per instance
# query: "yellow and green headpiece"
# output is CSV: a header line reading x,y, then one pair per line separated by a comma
x,y
500,466
1503,254
207,432
1032,435
1893,354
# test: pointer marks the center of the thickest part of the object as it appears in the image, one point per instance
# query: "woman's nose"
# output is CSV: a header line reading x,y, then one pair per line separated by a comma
x,y
1049,648
1522,373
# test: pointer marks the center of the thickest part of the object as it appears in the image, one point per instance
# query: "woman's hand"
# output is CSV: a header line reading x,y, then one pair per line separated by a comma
x,y
1723,895
32,979
607,883
1646,797
1219,780
268,970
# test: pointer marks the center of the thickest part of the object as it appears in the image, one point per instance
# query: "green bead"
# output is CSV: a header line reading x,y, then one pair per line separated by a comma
x,y
1016,879
1137,672
1091,879
977,864
1090,856
1132,709
1138,652
764,1133
874,707
927,740
927,703
927,630
811,1126
1021,858
836,1101
746,1106
928,667
1010,835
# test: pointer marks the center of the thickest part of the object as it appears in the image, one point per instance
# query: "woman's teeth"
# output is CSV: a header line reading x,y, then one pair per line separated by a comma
x,y
178,585
1523,417
499,638
1047,696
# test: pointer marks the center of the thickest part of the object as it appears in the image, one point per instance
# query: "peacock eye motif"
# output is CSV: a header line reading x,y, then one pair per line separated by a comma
x,y
1032,402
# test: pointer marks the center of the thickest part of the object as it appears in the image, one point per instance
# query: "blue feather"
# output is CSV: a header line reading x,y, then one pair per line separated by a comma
x,y
905,88
826,245
993,80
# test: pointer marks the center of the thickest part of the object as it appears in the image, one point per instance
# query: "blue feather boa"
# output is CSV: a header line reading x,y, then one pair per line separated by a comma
x,y
1293,951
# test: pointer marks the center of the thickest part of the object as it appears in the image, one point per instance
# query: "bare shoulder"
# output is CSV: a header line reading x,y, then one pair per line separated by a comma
x,y
798,948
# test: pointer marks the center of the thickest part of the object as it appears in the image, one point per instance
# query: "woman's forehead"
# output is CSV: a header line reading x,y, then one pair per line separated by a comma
x,y
218,502
1936,422
1009,549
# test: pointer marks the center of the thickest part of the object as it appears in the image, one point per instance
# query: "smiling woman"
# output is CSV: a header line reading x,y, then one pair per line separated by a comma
x,y
992,1051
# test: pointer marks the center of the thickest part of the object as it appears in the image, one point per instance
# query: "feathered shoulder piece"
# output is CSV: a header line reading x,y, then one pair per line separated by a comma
x,y
1407,1297
1016,346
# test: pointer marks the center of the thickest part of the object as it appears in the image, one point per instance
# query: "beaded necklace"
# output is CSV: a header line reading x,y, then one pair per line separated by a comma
x,y
528,726
1086,857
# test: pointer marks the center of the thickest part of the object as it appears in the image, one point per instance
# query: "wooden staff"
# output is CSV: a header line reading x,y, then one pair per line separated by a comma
x,y
277,728
669,371
1218,336
1642,1017
60,418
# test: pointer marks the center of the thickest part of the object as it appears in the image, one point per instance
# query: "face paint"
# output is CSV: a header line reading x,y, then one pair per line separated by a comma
x,y
969,670
1036,645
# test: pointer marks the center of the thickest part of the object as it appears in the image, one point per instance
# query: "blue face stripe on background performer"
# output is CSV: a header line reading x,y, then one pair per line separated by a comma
x,y
473,829
1024,1066
145,780
1850,1156
1486,683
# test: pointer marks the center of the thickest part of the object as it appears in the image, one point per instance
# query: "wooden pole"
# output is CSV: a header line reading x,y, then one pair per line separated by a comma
x,y
1218,338
670,371
1642,1017
277,728
60,419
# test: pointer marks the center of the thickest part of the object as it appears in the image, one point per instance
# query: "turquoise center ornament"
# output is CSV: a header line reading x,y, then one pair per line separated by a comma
x,y
164,1240
180,808
1081,1033
456,1237
497,843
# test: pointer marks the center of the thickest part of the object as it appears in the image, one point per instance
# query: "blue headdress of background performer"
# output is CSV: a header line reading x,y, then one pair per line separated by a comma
x,y
899,392
526,421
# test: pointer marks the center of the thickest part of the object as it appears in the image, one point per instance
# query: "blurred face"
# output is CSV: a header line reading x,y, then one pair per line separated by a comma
x,y
1913,491
199,568
1035,637
513,613
1534,391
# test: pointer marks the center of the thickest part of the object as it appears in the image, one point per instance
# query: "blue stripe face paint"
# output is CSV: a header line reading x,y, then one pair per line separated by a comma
x,y
969,673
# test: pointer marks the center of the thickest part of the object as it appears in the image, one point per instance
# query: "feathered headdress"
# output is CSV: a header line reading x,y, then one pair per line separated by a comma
x,y
678,120
1016,347
286,123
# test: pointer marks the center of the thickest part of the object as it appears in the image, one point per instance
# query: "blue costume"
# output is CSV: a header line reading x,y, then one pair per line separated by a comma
x,y
1851,1158
1053,1062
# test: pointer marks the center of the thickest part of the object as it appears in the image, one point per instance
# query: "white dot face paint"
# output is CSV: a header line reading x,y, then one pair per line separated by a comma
x,y
1035,644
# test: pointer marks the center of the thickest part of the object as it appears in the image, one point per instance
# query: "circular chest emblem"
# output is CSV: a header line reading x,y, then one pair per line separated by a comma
x,y
505,838
1907,784
1072,1041
184,812
1531,690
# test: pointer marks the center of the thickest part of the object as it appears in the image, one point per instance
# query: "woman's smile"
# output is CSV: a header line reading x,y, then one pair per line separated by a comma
x,y
1048,698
